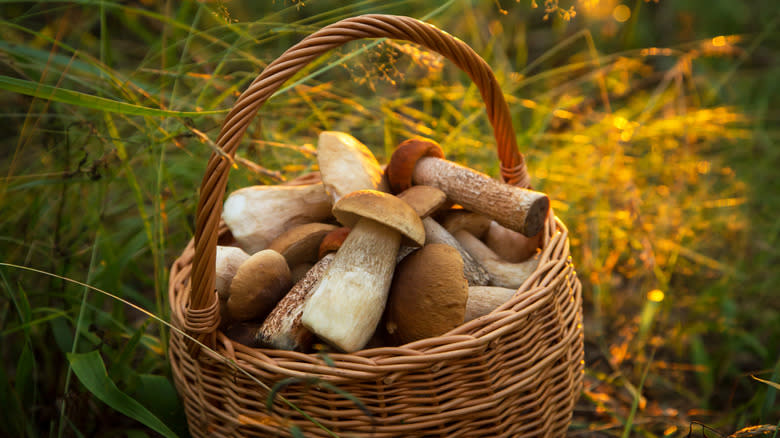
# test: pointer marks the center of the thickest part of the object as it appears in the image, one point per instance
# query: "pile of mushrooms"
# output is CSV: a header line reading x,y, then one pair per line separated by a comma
x,y
358,256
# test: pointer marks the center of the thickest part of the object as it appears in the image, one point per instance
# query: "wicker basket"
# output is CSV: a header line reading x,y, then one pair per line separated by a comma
x,y
515,372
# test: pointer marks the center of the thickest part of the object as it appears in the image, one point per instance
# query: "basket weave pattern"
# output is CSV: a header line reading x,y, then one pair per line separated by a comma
x,y
514,372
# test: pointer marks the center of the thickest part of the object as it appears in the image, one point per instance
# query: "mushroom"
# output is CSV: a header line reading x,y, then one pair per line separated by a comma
x,y
458,219
424,200
305,179
502,273
260,282
420,162
347,165
243,332
229,258
301,243
484,299
346,306
510,245
282,328
298,271
333,241
472,270
428,295
258,214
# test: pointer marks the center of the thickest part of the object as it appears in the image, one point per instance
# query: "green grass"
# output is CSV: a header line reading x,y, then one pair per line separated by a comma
x,y
655,139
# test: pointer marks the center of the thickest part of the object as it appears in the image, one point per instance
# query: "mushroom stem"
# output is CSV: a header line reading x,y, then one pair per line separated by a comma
x,y
516,208
258,214
510,245
472,270
347,305
282,328
501,272
484,299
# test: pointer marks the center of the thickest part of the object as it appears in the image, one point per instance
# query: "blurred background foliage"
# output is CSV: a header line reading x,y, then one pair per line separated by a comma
x,y
652,125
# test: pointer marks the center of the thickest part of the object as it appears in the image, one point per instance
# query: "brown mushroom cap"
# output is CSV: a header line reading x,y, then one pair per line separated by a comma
x,y
332,241
424,200
428,294
401,166
381,207
261,281
302,243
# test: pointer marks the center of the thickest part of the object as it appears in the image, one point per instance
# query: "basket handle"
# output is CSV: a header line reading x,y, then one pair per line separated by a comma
x,y
201,316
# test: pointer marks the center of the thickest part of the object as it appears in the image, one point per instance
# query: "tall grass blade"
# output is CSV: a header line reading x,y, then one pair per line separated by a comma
x,y
772,384
84,100
170,326
91,371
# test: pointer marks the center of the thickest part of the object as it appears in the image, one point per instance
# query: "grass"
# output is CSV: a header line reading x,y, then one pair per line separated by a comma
x,y
655,138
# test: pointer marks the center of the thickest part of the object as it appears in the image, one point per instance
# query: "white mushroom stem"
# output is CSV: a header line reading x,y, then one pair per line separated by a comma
x,y
347,304
516,208
258,214
484,299
510,245
501,272
472,270
282,328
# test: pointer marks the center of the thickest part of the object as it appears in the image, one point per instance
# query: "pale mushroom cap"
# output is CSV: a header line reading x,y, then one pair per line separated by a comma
x,y
381,207
261,281
346,165
428,294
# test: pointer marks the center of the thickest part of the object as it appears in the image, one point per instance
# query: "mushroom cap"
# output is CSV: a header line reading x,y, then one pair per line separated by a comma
x,y
381,207
261,281
423,199
400,169
347,165
301,244
428,294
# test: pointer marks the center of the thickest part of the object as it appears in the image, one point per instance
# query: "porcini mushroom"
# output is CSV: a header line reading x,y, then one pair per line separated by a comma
x,y
347,165
472,270
428,295
346,306
516,208
260,282
424,200
243,332
484,299
510,245
333,241
502,273
458,219
258,214
229,258
282,328
301,243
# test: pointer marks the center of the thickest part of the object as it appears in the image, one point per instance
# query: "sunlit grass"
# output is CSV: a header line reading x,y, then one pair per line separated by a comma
x,y
659,159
